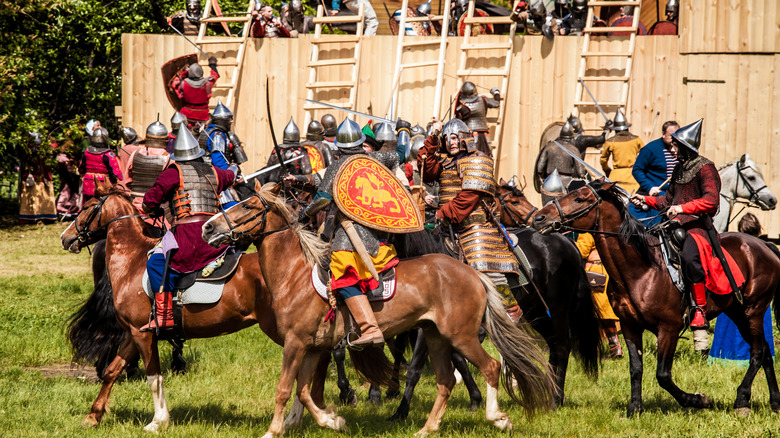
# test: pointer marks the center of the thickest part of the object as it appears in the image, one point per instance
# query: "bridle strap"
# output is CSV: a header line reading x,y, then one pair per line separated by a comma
x,y
238,235
516,219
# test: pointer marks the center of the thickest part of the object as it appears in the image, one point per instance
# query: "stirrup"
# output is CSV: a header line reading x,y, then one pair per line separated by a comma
x,y
352,346
148,326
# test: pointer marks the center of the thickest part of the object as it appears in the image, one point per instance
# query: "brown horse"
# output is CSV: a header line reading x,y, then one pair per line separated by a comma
x,y
644,297
436,292
516,209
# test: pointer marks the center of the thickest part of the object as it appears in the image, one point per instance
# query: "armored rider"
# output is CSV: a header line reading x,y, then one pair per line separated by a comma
x,y
472,109
176,121
290,148
552,158
195,91
329,132
314,139
222,145
467,188
350,279
191,186
692,200
147,161
99,166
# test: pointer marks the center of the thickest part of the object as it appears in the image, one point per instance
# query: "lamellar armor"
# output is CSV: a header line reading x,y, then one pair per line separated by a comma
x,y
472,108
196,194
146,169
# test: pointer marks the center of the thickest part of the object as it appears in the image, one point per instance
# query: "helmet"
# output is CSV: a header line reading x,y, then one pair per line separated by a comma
x,y
562,2
156,135
579,5
349,135
193,3
329,125
689,136
627,10
195,71
567,132
193,7
291,133
314,131
296,5
385,132
620,123
553,185
576,124
222,116
129,135
417,130
463,3
672,7
468,92
99,138
424,8
176,121
457,127
417,144
186,147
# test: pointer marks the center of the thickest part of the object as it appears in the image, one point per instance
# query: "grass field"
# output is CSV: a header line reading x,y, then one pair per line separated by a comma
x,y
229,387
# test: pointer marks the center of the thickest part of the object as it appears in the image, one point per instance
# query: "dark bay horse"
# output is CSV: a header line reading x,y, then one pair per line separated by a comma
x,y
644,297
435,292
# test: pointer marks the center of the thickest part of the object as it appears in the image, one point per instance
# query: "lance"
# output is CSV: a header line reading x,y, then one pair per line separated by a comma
x,y
270,168
357,113
594,100
592,169
188,40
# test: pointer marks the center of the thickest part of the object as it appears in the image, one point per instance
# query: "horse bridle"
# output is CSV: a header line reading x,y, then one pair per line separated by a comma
x,y
567,219
235,236
516,219
85,234
753,193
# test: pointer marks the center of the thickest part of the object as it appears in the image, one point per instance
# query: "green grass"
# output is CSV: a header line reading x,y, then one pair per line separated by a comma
x,y
230,384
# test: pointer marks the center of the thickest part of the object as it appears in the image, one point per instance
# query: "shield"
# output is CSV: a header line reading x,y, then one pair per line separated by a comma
x,y
317,162
476,29
417,26
369,194
169,71
550,133
218,13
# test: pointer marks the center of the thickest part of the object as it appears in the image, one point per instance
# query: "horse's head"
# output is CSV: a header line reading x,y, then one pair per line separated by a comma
x,y
250,219
749,184
577,209
90,225
516,209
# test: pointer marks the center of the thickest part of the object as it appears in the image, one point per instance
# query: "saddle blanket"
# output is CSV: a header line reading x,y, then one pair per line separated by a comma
x,y
388,280
201,292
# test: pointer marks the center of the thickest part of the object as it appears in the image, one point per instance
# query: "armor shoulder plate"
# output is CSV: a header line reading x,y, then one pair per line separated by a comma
x,y
477,173
218,143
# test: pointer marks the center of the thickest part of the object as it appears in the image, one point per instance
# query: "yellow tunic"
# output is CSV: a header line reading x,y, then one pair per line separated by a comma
x,y
587,247
343,261
623,150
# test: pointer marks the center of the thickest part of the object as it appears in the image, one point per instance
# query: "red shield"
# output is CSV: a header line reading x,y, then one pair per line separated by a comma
x,y
476,29
169,71
369,194
315,157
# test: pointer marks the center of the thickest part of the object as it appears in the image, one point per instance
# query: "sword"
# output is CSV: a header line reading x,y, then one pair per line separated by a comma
x,y
594,100
270,168
592,169
188,40
357,113
277,149
716,248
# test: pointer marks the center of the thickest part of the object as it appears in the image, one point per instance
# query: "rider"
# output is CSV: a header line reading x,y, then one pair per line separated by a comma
x,y
692,200
472,109
290,148
99,166
191,186
467,188
222,145
350,279
552,158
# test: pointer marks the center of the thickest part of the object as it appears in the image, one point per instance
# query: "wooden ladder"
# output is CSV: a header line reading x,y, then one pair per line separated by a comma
x,y
240,42
315,62
420,42
468,47
581,97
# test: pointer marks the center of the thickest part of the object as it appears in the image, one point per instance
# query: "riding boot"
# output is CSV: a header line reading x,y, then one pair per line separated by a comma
x,y
163,313
700,296
514,313
361,310
611,333
513,310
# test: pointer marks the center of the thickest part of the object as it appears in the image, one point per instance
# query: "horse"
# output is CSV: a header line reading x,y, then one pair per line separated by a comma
x,y
645,298
435,292
741,179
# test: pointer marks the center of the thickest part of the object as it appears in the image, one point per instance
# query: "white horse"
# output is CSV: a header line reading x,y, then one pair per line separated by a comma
x,y
741,179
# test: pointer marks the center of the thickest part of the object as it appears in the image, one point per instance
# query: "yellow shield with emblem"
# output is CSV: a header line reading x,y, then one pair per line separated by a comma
x,y
369,194
315,157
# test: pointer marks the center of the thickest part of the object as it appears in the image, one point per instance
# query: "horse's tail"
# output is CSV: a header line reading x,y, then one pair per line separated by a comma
x,y
371,364
584,328
524,364
93,331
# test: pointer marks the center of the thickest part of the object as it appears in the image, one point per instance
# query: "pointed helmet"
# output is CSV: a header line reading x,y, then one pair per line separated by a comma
x,y
186,148
385,132
176,121
620,123
690,135
553,185
349,134
292,134
567,132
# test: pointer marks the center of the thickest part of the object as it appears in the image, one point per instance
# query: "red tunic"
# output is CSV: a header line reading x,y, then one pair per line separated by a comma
x,y
259,29
196,100
664,28
194,253
95,170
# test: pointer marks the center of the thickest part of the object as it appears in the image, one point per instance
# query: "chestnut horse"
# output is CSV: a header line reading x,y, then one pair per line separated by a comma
x,y
436,292
644,297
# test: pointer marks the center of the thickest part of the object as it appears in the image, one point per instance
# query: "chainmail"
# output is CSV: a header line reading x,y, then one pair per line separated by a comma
x,y
685,172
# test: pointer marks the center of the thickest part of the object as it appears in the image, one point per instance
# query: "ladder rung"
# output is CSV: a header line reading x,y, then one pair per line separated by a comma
x,y
482,72
614,3
225,19
421,19
607,54
222,86
335,39
220,41
487,20
327,62
337,19
486,46
590,103
314,106
609,29
333,84
422,42
419,64
221,64
605,78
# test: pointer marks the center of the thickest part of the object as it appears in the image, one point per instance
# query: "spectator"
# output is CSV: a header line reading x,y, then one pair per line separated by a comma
x,y
669,26
68,201
265,25
36,184
370,22
652,167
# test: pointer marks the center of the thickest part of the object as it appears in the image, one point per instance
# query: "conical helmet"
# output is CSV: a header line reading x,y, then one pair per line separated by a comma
x,y
176,121
468,92
417,130
291,135
129,135
349,135
576,124
553,185
424,8
620,123
221,112
329,125
385,132
314,131
186,148
567,133
690,135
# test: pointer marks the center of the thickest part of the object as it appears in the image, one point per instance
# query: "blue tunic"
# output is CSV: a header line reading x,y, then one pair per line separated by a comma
x,y
728,345
652,166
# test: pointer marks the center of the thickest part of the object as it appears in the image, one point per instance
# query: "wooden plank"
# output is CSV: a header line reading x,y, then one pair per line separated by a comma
x,y
485,46
337,19
231,19
488,20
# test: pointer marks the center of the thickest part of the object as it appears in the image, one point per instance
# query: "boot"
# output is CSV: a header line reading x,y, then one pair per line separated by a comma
x,y
514,313
361,310
615,349
513,310
700,296
163,313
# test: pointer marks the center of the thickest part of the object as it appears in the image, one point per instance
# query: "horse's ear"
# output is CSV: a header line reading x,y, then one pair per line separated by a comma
x,y
601,183
743,158
258,186
277,189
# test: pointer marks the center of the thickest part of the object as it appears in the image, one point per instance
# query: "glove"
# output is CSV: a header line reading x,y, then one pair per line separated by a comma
x,y
609,124
303,218
496,93
157,212
403,124
212,62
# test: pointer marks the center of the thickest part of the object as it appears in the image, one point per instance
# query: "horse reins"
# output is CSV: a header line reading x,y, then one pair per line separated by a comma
x,y
237,235
733,199
516,219
85,233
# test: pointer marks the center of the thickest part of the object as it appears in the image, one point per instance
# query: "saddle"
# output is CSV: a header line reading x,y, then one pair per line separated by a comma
x,y
320,276
672,239
199,288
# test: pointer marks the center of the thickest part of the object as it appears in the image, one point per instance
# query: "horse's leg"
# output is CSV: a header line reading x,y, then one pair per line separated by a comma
x,y
555,330
413,373
440,353
324,417
292,358
667,344
771,378
178,362
759,350
317,393
633,337
462,366
153,375
397,347
347,394
127,352
375,395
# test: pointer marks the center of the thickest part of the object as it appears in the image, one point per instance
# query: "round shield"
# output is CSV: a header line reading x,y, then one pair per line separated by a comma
x,y
476,29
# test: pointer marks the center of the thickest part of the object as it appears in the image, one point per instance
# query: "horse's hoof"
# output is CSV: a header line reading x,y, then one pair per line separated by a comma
x,y
152,427
705,402
339,424
90,421
504,424
634,411
423,432
742,412
392,394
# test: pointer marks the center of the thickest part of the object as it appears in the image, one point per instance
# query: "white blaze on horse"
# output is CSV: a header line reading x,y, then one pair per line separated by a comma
x,y
741,179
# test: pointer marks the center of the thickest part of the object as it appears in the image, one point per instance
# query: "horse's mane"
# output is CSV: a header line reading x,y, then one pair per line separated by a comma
x,y
632,231
314,249
727,164
752,165
148,229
